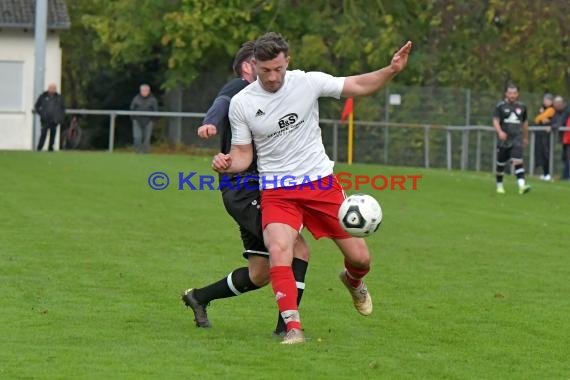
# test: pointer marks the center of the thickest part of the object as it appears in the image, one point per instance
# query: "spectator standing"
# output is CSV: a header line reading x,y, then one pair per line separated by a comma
x,y
542,141
51,108
142,125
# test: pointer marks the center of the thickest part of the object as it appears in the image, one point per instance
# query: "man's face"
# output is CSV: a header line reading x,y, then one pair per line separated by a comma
x,y
512,94
558,105
145,91
52,89
272,73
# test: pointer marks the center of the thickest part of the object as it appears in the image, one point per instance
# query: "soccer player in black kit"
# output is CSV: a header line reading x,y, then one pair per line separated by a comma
x,y
242,202
511,124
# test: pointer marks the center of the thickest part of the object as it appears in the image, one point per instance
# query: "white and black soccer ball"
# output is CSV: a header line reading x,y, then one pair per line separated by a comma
x,y
360,215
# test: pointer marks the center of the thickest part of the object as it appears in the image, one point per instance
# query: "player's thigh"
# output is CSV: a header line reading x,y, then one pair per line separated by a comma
x,y
355,250
281,206
517,153
243,205
252,244
320,209
301,249
503,154
280,239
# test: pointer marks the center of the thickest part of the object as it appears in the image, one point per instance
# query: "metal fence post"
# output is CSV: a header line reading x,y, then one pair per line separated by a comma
x,y
448,144
387,120
478,152
426,146
112,131
551,154
494,162
335,142
531,159
465,135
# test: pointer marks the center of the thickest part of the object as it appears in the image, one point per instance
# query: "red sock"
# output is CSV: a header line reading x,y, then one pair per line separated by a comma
x,y
285,289
355,275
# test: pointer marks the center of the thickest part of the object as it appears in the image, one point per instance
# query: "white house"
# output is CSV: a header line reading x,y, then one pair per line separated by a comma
x,y
17,19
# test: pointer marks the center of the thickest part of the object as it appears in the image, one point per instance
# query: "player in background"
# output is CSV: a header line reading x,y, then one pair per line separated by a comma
x,y
279,113
511,124
542,138
242,202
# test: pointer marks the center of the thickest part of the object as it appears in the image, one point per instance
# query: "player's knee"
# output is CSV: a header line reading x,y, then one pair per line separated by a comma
x,y
301,250
259,277
280,251
360,256
258,270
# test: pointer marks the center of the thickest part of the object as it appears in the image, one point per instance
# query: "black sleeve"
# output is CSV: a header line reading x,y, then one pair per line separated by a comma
x,y
497,113
524,115
218,111
39,102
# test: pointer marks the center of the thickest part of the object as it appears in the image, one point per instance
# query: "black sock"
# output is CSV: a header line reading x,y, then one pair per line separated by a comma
x,y
500,171
236,283
519,171
299,271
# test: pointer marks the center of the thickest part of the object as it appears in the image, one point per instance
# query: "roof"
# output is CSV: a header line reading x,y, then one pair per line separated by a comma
x,y
21,14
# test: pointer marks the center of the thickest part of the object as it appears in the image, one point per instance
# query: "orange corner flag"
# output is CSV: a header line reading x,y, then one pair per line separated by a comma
x,y
348,109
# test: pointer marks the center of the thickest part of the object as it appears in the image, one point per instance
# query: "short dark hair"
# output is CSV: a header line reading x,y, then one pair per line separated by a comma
x,y
269,46
244,53
511,86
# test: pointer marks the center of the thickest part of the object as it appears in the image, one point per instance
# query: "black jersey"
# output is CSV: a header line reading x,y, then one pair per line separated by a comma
x,y
511,117
218,116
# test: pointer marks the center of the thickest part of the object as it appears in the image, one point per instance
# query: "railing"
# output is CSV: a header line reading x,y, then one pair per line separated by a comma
x,y
335,124
114,113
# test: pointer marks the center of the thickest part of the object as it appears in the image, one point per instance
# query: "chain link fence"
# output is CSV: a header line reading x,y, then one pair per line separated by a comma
x,y
413,126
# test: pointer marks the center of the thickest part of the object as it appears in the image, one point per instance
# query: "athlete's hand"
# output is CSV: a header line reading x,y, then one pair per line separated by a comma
x,y
221,162
207,130
400,59
548,129
502,136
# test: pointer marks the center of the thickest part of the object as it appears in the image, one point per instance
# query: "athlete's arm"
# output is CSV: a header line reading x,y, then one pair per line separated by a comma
x,y
237,161
525,132
502,135
366,84
216,113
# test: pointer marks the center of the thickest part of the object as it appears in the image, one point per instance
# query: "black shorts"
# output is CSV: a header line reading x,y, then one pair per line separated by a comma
x,y
510,149
243,204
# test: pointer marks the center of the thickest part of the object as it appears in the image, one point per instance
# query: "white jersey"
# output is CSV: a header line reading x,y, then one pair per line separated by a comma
x,y
285,127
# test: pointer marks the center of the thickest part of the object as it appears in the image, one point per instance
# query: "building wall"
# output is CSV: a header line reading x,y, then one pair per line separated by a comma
x,y
18,46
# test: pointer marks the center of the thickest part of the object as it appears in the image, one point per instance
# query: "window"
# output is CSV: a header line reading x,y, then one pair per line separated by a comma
x,y
12,80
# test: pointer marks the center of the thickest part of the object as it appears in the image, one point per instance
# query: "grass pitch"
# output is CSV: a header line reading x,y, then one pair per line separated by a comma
x,y
466,284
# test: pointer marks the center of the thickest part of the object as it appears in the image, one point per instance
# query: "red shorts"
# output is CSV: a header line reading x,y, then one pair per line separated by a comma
x,y
315,207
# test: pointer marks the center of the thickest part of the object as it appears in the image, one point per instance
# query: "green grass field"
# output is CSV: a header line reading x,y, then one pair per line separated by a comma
x,y
466,284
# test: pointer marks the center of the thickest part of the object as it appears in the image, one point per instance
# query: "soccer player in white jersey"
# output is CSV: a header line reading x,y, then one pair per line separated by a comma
x,y
279,114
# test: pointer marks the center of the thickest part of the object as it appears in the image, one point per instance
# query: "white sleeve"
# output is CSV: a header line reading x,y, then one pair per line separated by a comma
x,y
325,84
241,135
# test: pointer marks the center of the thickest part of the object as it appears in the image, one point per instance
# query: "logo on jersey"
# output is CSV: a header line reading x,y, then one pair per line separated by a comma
x,y
288,120
259,113
512,119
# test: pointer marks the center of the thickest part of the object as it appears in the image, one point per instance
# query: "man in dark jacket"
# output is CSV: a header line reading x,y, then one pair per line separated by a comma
x,y
51,108
142,125
559,120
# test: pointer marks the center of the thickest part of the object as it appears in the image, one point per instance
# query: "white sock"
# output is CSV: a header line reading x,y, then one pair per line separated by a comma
x,y
520,181
499,185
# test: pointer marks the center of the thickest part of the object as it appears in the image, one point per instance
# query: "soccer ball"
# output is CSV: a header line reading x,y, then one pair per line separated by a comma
x,y
360,215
